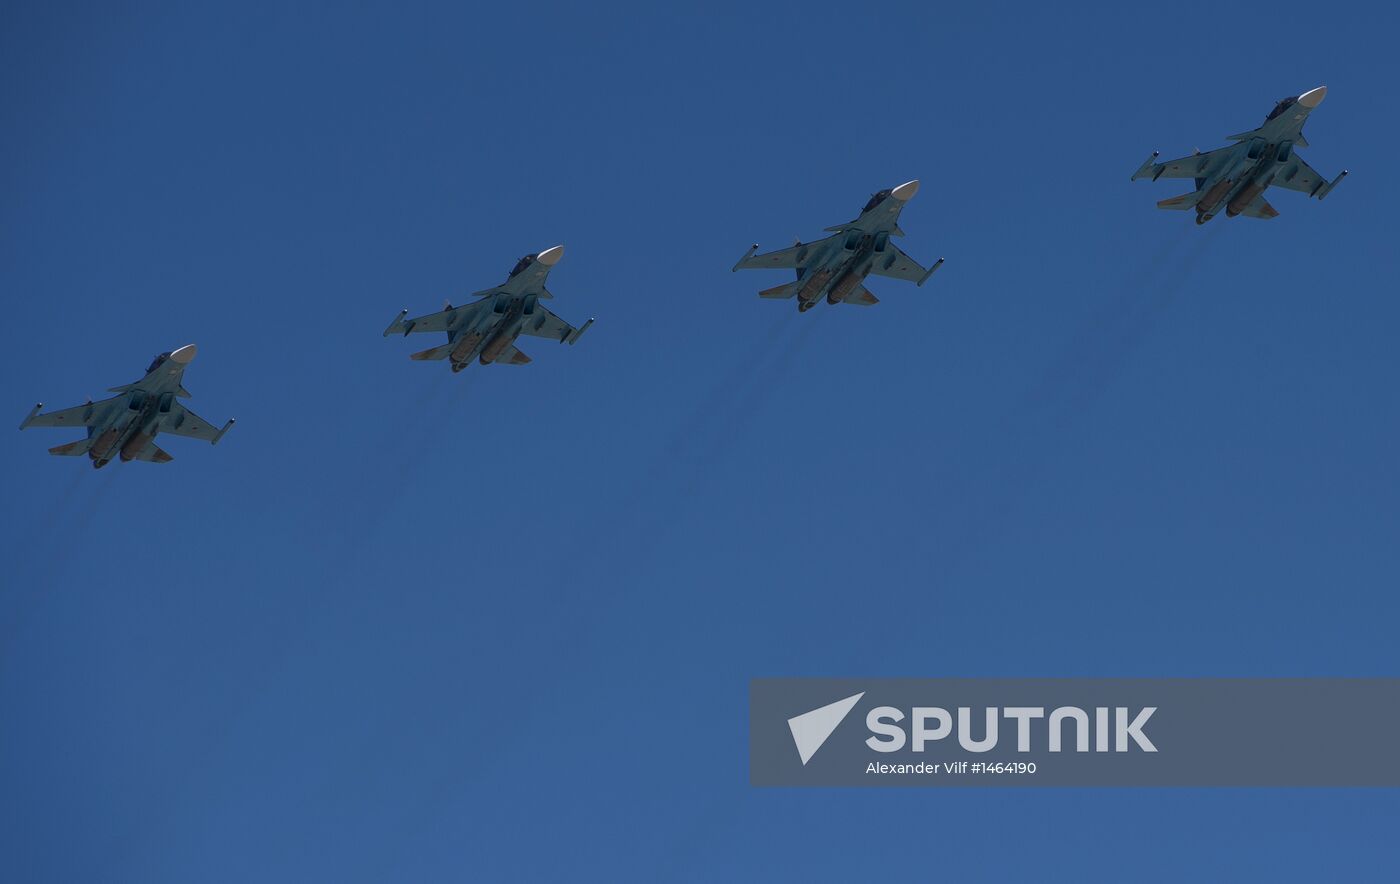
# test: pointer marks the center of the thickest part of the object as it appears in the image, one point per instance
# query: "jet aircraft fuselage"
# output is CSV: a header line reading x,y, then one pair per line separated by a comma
x,y
836,267
126,425
486,330
1235,178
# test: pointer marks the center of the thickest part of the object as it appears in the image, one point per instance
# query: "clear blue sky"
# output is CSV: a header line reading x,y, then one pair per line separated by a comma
x,y
404,625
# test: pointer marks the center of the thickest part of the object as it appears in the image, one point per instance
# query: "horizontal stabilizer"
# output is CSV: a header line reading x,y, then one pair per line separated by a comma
x,y
1260,208
434,352
787,290
861,297
1183,202
72,449
152,454
512,356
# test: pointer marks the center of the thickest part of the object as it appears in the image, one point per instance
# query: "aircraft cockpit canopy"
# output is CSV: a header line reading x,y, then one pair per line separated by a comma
x,y
876,200
522,264
1281,107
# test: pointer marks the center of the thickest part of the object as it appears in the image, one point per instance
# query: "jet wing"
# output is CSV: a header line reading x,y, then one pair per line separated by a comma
x,y
440,321
546,324
793,258
898,265
183,422
1300,176
1197,166
77,416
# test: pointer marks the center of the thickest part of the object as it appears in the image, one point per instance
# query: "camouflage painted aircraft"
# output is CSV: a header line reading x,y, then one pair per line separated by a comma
x,y
838,265
126,424
487,329
1236,177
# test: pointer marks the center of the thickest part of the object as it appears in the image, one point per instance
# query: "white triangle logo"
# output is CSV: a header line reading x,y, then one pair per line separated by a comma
x,y
811,729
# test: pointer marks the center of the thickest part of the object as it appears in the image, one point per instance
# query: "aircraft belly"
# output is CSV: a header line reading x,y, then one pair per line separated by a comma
x,y
1214,196
102,448
1242,199
466,346
494,348
844,286
135,445
812,289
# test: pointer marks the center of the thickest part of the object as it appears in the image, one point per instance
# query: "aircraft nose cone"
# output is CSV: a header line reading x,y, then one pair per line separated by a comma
x,y
550,257
905,192
185,355
1313,97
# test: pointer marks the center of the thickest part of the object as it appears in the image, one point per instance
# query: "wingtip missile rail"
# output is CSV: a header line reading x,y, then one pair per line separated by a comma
x,y
1147,167
573,338
29,417
398,326
747,255
1327,188
220,434
923,279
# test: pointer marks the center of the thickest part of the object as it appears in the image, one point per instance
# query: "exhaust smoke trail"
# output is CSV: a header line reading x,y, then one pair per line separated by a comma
x,y
64,536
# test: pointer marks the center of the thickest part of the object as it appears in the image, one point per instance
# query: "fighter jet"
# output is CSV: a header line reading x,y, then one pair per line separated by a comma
x,y
837,265
127,423
1236,176
486,329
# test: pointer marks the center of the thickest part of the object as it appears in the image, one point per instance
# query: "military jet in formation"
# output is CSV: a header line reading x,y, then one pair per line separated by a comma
x,y
487,329
1236,176
126,425
834,268
838,265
